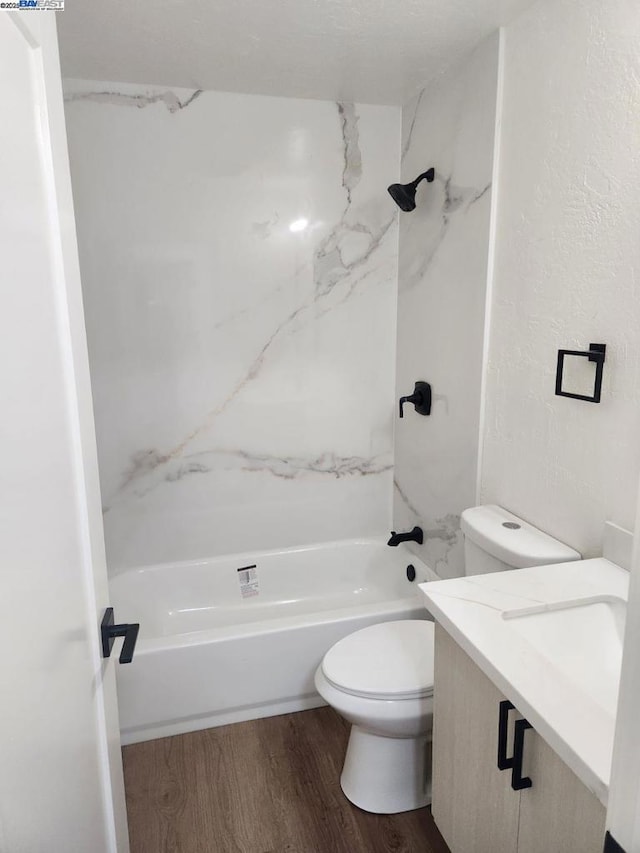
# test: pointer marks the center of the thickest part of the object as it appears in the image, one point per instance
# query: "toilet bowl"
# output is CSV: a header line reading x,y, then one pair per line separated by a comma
x,y
380,679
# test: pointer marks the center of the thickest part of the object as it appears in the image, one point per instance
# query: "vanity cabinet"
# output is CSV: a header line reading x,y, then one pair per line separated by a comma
x,y
474,805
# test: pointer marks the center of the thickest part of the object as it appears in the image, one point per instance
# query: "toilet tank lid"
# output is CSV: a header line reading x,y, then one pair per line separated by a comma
x,y
512,540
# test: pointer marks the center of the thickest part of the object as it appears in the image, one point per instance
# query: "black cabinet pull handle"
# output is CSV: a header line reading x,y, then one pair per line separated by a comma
x,y
518,781
504,763
109,632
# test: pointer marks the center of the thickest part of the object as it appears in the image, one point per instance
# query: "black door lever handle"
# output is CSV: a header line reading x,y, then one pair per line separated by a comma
x,y
109,632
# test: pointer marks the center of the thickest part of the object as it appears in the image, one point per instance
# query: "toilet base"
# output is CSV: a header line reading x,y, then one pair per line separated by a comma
x,y
386,775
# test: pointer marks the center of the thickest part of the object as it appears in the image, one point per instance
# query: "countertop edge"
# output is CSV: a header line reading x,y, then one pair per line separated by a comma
x,y
598,786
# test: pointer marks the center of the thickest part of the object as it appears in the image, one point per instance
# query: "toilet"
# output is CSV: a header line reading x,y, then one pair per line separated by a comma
x,y
380,678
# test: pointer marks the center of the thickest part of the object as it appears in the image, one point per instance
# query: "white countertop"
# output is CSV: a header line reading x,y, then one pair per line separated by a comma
x,y
574,722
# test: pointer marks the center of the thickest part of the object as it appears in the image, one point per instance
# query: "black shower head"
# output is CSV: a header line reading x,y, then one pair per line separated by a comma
x,y
404,195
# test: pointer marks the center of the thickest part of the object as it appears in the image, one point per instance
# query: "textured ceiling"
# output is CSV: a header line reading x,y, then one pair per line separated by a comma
x,y
372,51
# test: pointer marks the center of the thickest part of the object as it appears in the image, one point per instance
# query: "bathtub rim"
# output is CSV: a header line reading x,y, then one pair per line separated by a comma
x,y
248,556
274,625
270,625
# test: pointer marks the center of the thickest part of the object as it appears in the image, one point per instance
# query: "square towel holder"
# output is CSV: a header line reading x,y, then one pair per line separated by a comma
x,y
595,353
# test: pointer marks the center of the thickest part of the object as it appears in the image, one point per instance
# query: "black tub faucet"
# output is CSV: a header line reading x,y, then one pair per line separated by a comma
x,y
414,535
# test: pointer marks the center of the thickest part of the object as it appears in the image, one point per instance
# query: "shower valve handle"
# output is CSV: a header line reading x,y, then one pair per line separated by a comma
x,y
410,399
421,399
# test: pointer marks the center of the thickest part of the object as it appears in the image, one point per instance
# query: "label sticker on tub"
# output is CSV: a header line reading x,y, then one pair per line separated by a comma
x,y
248,577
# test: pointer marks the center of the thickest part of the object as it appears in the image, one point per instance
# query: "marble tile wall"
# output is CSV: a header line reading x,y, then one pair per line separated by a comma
x,y
239,263
444,247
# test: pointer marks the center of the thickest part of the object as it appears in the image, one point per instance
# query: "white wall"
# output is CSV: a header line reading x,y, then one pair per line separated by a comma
x,y
567,269
243,375
444,246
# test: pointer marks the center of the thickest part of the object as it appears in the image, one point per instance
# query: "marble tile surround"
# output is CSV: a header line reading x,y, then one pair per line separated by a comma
x,y
243,373
444,247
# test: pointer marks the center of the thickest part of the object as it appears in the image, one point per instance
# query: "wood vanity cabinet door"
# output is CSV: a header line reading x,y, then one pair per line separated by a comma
x,y
558,814
474,806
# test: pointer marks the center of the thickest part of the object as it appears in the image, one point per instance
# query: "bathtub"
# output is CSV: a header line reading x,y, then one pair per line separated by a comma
x,y
237,638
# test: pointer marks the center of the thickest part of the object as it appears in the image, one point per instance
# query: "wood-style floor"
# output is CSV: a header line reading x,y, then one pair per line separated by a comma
x,y
266,786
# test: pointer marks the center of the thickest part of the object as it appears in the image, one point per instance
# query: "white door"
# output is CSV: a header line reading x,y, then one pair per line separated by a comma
x,y
61,788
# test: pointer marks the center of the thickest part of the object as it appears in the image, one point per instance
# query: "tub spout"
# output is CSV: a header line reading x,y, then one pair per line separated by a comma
x,y
414,535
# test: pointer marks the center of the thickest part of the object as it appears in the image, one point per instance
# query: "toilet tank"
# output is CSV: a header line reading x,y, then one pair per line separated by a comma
x,y
496,540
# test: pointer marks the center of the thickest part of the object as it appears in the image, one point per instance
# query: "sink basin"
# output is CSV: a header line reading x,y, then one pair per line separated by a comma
x,y
581,639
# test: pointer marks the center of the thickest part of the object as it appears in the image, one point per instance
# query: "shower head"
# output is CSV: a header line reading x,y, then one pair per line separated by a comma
x,y
404,195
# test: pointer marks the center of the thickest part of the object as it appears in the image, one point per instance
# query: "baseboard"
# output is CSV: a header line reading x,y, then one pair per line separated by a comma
x,y
209,721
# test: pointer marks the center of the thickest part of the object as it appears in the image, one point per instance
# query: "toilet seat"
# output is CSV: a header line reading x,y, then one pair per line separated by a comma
x,y
387,661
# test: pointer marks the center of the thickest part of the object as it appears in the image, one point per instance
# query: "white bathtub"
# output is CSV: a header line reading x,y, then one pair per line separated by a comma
x,y
215,649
